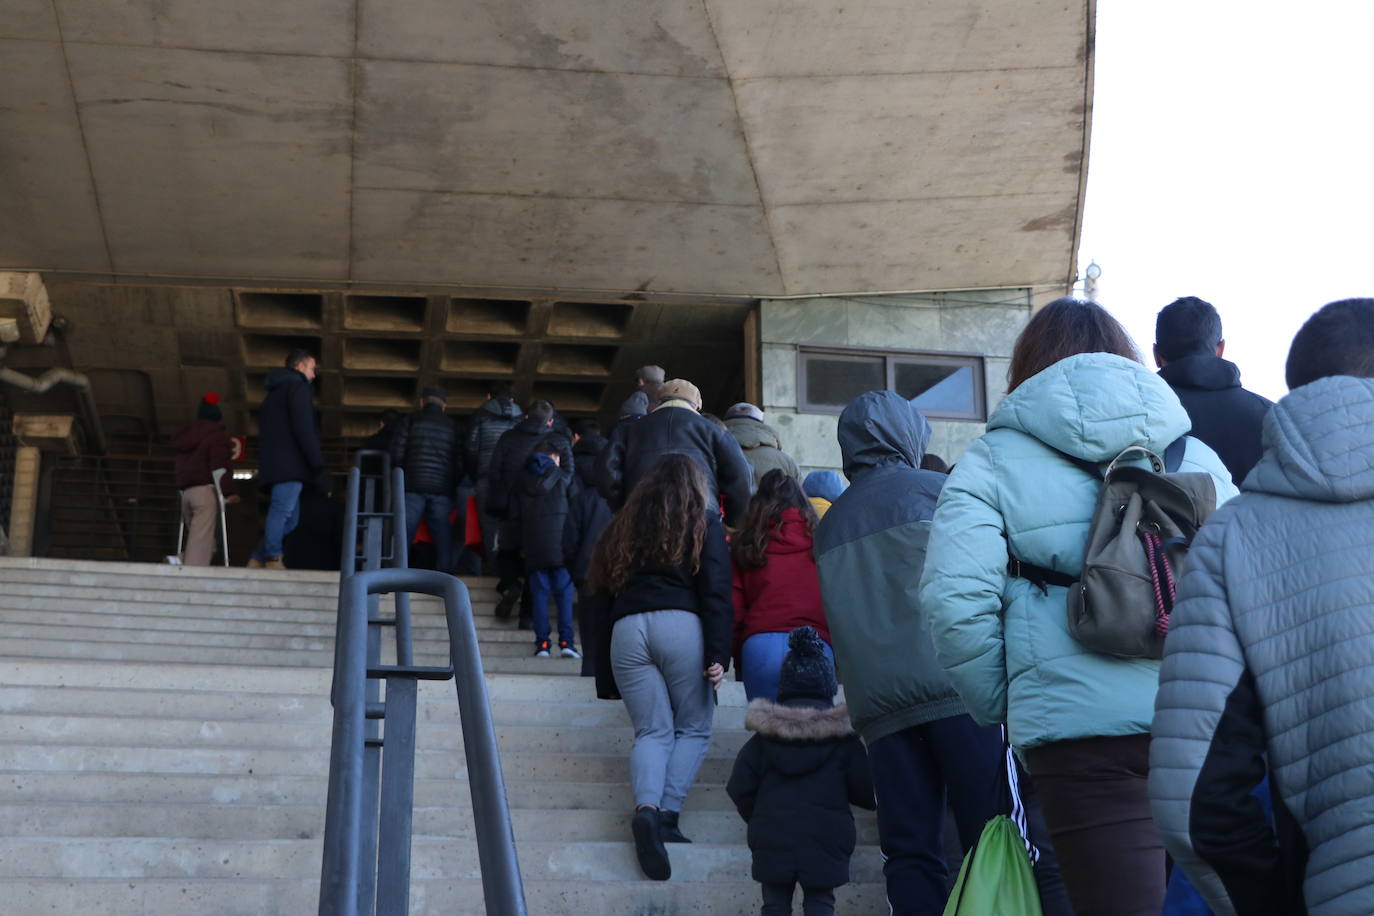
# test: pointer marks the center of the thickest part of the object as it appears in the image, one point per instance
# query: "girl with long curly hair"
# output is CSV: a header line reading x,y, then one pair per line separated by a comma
x,y
661,575
776,587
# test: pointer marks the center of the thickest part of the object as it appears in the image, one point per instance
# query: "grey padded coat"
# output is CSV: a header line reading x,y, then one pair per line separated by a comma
x,y
1271,649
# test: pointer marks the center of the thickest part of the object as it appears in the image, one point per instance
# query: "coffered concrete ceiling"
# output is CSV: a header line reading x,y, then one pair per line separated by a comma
x,y
725,147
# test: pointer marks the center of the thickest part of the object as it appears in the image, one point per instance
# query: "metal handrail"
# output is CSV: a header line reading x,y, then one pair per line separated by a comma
x,y
367,840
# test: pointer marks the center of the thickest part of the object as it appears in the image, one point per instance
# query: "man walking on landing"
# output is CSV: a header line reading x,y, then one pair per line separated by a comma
x,y
289,451
426,446
1188,348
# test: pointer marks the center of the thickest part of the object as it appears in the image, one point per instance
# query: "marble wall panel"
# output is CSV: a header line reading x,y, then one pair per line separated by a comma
x,y
779,369
804,321
987,329
877,323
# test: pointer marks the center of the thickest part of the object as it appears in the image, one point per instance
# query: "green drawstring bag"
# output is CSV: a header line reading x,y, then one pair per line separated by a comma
x,y
996,878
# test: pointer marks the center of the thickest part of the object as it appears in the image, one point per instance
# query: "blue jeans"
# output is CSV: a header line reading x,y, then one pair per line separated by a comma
x,y
282,516
435,509
559,582
761,663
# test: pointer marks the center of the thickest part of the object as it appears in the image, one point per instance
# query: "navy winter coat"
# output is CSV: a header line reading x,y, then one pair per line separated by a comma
x,y
588,513
514,446
1224,415
793,782
540,506
489,424
288,445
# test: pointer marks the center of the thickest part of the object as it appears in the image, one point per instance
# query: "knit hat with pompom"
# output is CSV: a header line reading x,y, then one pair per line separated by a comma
x,y
807,672
209,407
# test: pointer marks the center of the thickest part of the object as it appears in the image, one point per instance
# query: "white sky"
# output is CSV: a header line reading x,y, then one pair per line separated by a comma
x,y
1231,157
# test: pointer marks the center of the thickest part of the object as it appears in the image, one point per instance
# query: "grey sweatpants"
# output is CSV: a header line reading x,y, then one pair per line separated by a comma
x,y
657,659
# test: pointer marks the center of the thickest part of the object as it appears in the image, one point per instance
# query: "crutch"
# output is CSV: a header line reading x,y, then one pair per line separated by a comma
x,y
215,476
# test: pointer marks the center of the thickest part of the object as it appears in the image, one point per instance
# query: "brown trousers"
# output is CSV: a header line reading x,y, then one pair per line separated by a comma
x,y
1093,793
200,511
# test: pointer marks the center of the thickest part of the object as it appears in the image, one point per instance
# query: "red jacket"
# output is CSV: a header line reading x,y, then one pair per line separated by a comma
x,y
201,448
785,593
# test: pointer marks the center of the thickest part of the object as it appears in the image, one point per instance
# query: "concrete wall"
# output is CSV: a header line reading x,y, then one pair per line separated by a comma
x,y
983,322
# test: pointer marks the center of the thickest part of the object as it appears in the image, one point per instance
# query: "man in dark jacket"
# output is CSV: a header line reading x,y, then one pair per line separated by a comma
x,y
676,427
539,510
514,446
427,447
1188,349
289,452
203,448
923,746
497,415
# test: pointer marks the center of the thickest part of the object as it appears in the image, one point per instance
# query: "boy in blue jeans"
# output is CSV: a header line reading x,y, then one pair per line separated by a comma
x,y
540,507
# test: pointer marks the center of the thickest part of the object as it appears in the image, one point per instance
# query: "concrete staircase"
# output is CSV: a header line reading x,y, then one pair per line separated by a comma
x,y
164,745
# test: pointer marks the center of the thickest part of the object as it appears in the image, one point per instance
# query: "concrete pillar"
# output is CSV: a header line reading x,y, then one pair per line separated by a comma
x,y
28,461
25,312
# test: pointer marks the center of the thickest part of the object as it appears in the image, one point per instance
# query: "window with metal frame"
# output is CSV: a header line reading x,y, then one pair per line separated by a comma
x,y
945,386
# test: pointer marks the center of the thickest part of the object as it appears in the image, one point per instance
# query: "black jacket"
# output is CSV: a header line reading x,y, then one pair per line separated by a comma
x,y
489,424
509,456
793,783
588,513
1225,416
708,593
426,446
635,447
540,505
288,445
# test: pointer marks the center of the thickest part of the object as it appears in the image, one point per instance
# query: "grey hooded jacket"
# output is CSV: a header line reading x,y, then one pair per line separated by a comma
x,y
870,548
1271,650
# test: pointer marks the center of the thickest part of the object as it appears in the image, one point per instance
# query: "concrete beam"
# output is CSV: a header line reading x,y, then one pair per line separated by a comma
x,y
24,300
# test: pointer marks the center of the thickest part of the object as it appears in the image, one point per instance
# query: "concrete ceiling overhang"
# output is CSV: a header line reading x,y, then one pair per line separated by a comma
x,y
725,147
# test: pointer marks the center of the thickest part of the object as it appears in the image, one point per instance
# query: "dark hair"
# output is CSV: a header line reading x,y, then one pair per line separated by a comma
x,y
433,393
547,446
587,426
540,410
776,493
1063,328
1187,327
933,462
499,390
297,356
1337,340
661,526
389,417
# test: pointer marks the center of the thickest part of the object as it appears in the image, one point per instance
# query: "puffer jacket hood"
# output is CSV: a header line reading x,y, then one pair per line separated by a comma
x,y
282,377
881,428
501,409
753,433
1093,406
587,450
1310,448
790,536
802,737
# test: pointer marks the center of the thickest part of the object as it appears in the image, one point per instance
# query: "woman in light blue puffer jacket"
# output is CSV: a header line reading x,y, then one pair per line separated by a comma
x,y
1081,720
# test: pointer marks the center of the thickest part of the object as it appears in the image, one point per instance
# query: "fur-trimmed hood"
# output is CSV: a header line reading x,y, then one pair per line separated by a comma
x,y
798,739
798,723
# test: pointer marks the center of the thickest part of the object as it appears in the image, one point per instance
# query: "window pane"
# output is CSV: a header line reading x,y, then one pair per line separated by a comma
x,y
835,381
942,387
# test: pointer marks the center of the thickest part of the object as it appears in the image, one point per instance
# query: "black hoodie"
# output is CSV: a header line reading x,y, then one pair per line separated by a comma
x,y
1225,416
793,783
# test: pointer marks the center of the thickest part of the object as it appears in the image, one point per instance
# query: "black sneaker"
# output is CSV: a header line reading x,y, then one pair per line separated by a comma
x,y
670,832
568,650
508,599
541,649
649,849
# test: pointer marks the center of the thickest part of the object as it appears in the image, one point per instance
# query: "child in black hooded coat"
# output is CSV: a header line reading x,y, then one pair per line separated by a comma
x,y
794,781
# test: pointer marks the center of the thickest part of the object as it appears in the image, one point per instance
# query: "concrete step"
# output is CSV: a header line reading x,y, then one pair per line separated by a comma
x,y
265,822
432,857
428,897
99,786
59,596
304,682
285,708
34,731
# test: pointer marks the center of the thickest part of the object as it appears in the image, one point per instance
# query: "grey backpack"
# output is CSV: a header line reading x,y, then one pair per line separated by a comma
x,y
1141,529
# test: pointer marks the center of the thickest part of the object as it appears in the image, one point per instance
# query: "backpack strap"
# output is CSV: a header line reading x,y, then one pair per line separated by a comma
x,y
1173,455
1038,576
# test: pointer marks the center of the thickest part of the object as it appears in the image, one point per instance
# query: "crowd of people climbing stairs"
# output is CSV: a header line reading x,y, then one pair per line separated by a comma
x,y
1121,649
